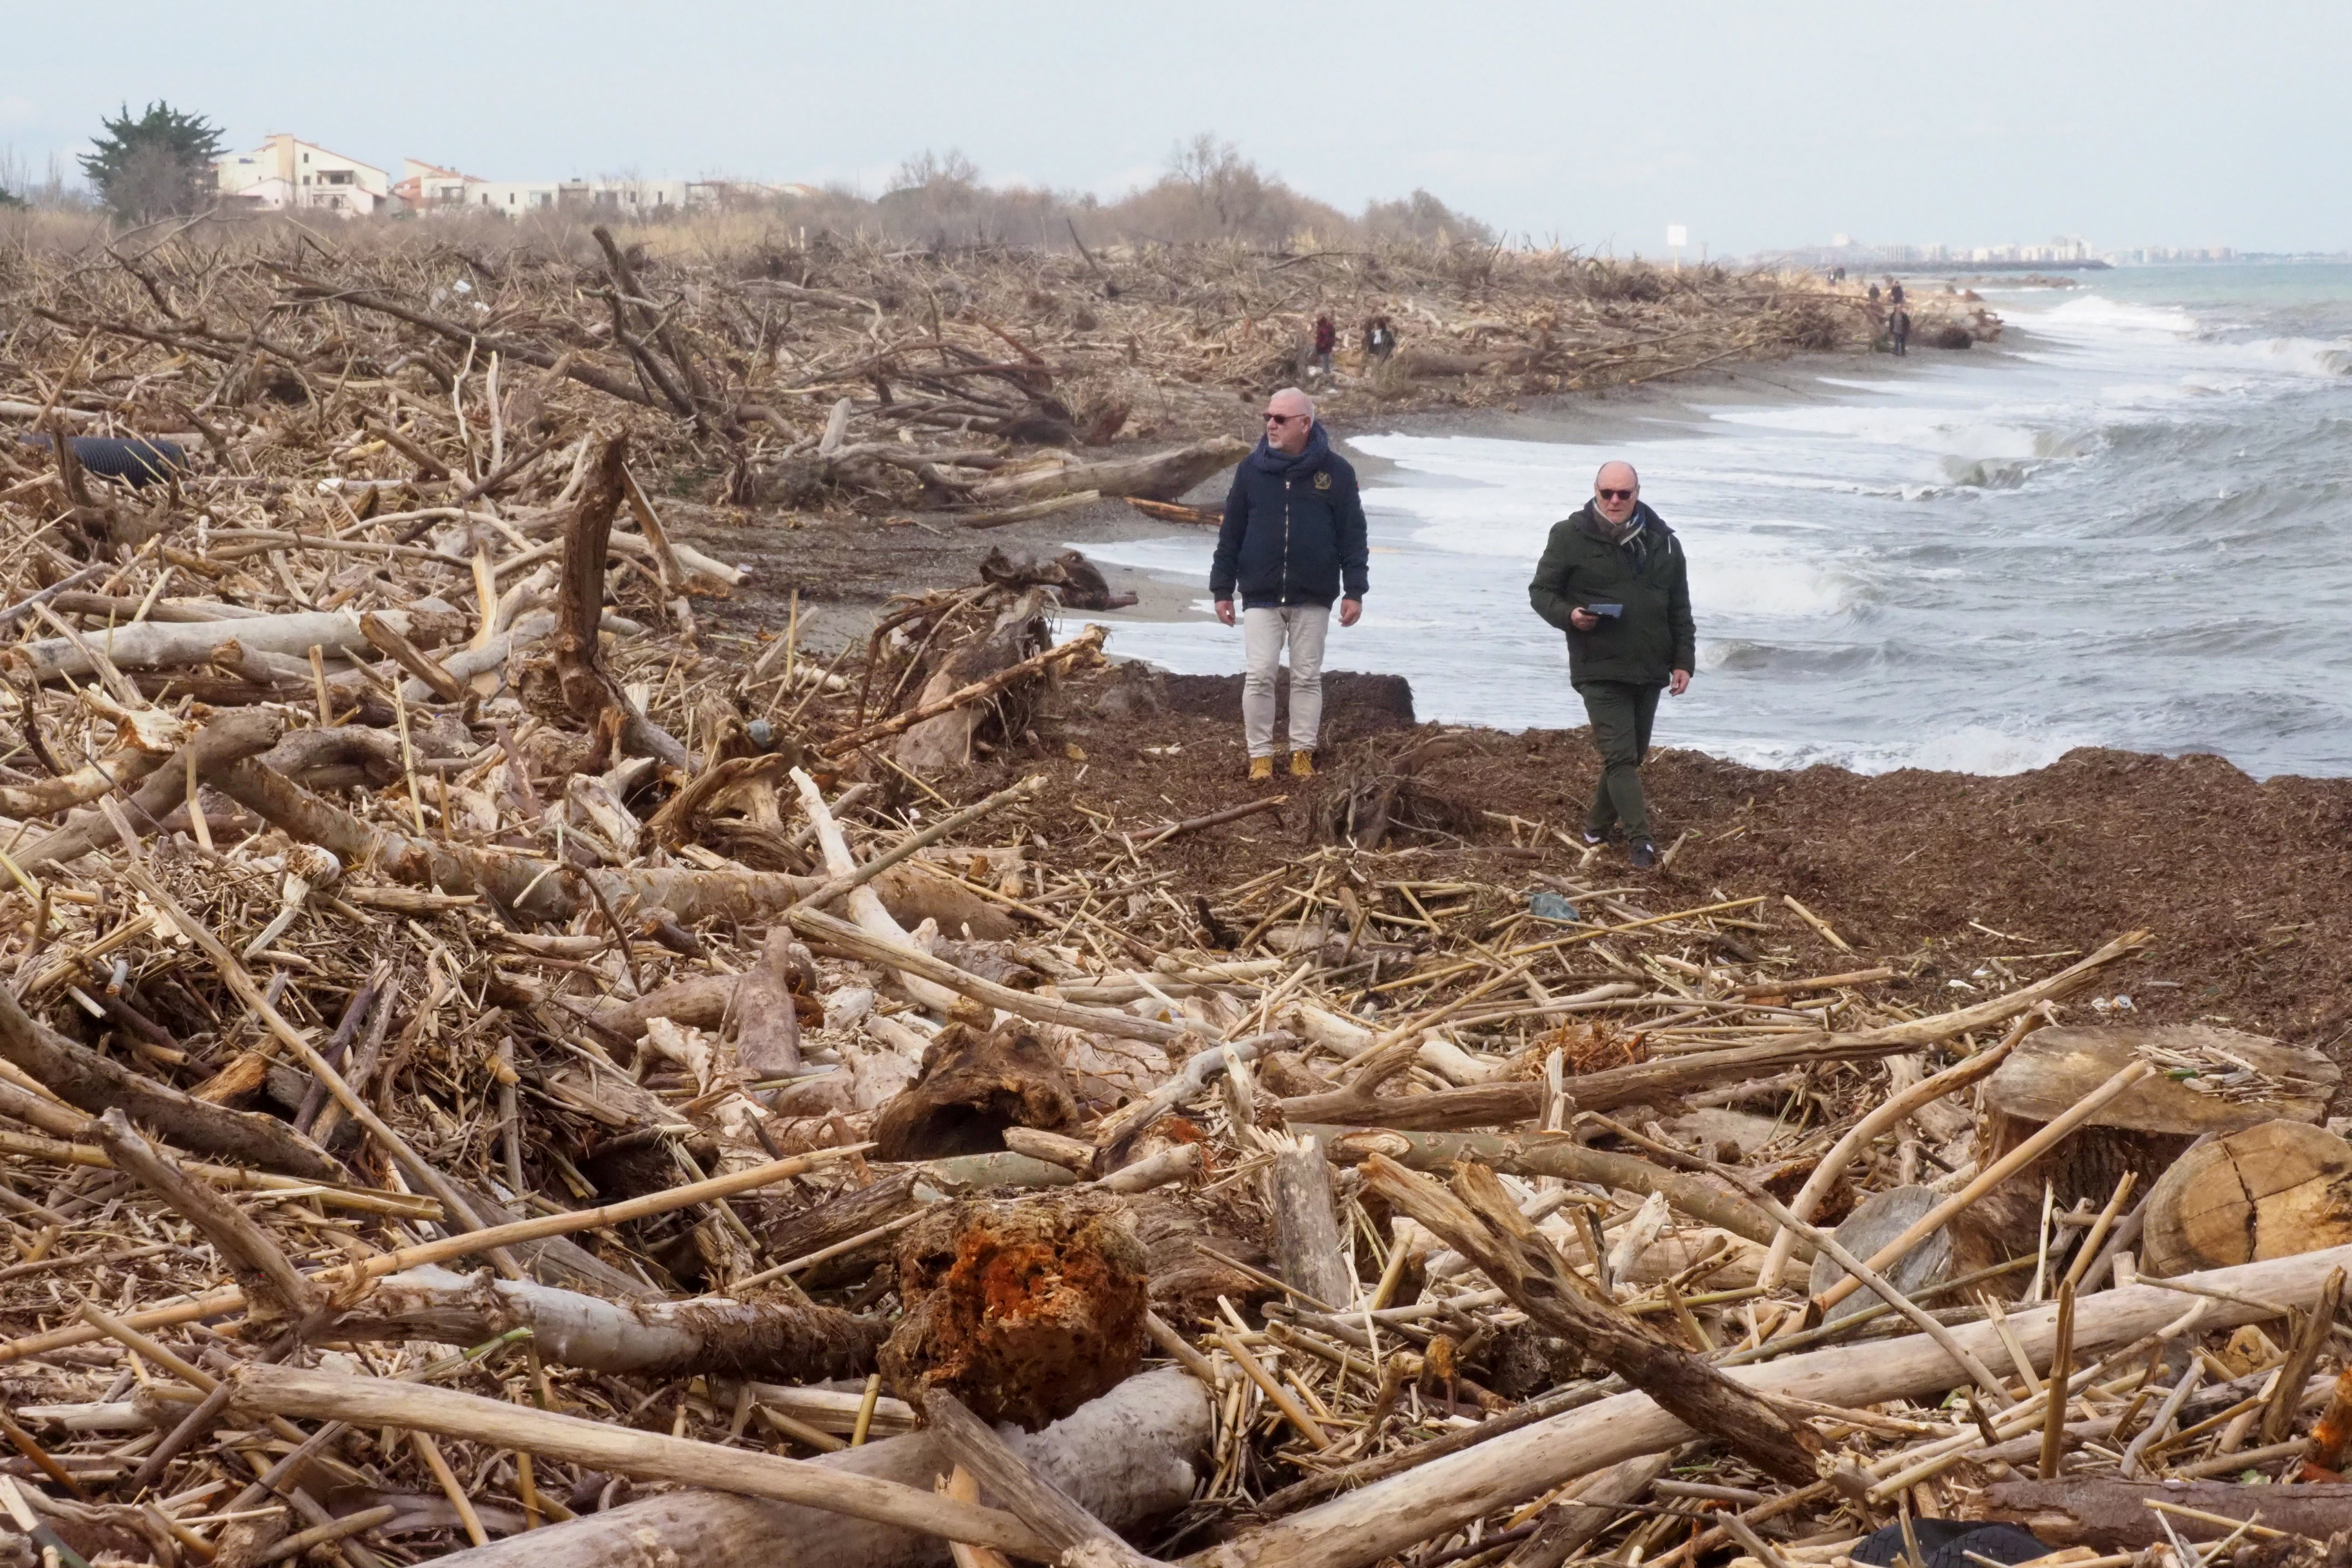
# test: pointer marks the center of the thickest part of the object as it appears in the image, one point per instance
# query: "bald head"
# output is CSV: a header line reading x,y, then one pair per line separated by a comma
x,y
1616,490
1289,420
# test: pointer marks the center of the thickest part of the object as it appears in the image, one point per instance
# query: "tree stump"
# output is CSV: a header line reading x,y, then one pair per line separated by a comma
x,y
2270,1190
1025,1310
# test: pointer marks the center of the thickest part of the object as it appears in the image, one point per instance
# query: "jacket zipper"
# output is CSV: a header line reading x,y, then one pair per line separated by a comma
x,y
1286,541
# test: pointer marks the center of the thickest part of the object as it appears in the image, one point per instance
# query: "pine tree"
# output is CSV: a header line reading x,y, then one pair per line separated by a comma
x,y
154,164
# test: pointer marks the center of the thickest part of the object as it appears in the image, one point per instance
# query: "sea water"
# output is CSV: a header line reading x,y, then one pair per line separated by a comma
x,y
2128,525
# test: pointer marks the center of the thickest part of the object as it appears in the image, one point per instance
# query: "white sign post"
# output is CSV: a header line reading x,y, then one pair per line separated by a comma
x,y
1677,236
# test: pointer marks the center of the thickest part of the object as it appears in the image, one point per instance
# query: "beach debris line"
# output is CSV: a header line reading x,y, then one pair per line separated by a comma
x,y
630,1094
818,372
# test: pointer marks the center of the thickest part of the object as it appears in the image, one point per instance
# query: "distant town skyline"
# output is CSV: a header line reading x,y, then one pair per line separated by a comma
x,y
2063,251
2164,124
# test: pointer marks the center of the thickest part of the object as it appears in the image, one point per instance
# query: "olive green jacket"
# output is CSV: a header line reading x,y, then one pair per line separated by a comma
x,y
1654,636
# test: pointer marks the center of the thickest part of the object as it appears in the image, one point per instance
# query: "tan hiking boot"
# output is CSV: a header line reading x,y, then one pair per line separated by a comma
x,y
1302,764
1260,769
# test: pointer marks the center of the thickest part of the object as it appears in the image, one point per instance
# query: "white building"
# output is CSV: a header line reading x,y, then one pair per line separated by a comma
x,y
287,171
597,198
424,185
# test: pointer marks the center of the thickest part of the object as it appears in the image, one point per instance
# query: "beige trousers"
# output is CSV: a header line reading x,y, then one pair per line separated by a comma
x,y
1264,633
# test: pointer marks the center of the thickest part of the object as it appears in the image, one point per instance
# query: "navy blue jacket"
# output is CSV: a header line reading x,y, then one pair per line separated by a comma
x,y
1294,531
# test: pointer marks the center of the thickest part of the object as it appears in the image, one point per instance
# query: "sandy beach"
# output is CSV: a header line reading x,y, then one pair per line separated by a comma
x,y
845,569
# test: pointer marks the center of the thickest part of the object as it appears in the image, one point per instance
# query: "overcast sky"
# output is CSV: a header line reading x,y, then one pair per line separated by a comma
x,y
1757,124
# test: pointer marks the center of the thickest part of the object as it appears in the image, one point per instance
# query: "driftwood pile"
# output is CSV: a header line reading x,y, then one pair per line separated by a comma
x,y
481,1081
426,364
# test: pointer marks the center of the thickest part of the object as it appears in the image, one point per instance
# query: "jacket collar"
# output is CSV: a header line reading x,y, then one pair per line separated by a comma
x,y
1266,460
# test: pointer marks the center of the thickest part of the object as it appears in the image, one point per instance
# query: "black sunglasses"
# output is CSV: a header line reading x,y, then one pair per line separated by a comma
x,y
1283,418
1615,495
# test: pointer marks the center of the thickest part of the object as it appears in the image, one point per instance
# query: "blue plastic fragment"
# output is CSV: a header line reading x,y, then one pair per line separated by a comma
x,y
1551,906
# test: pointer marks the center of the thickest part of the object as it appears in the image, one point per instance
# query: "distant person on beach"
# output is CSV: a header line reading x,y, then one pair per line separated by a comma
x,y
1894,291
1898,330
1874,293
1379,339
1327,338
1614,579
1293,538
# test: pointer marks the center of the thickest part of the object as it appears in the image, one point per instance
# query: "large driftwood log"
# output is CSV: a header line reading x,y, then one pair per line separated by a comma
x,y
1078,1538
1388,1516
2278,1188
2145,1130
1086,642
659,1339
525,883
644,1456
838,1219
2056,1067
1156,476
153,645
943,743
82,1078
347,755
1478,1220
1126,1458
767,1025
87,783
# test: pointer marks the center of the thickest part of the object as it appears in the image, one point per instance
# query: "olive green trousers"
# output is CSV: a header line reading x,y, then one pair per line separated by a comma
x,y
1622,713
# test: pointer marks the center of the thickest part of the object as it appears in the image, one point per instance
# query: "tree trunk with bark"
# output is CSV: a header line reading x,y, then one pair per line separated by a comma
x,y
2113,1515
83,1079
659,1339
164,645
1307,1240
1156,476
594,695
228,739
1024,1310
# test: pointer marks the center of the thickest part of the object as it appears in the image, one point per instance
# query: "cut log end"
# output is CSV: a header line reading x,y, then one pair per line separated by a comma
x,y
2281,1188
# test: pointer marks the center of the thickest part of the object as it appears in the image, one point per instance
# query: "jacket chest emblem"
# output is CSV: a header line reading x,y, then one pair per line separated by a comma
x,y
1323,478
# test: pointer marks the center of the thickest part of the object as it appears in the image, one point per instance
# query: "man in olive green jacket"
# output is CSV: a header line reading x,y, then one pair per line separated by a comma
x,y
1614,579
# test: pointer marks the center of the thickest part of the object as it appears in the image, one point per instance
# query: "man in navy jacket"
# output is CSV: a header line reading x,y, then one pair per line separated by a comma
x,y
1294,536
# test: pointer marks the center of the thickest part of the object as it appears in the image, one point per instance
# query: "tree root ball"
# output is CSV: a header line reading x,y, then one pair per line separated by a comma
x,y
1025,1310
973,1085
